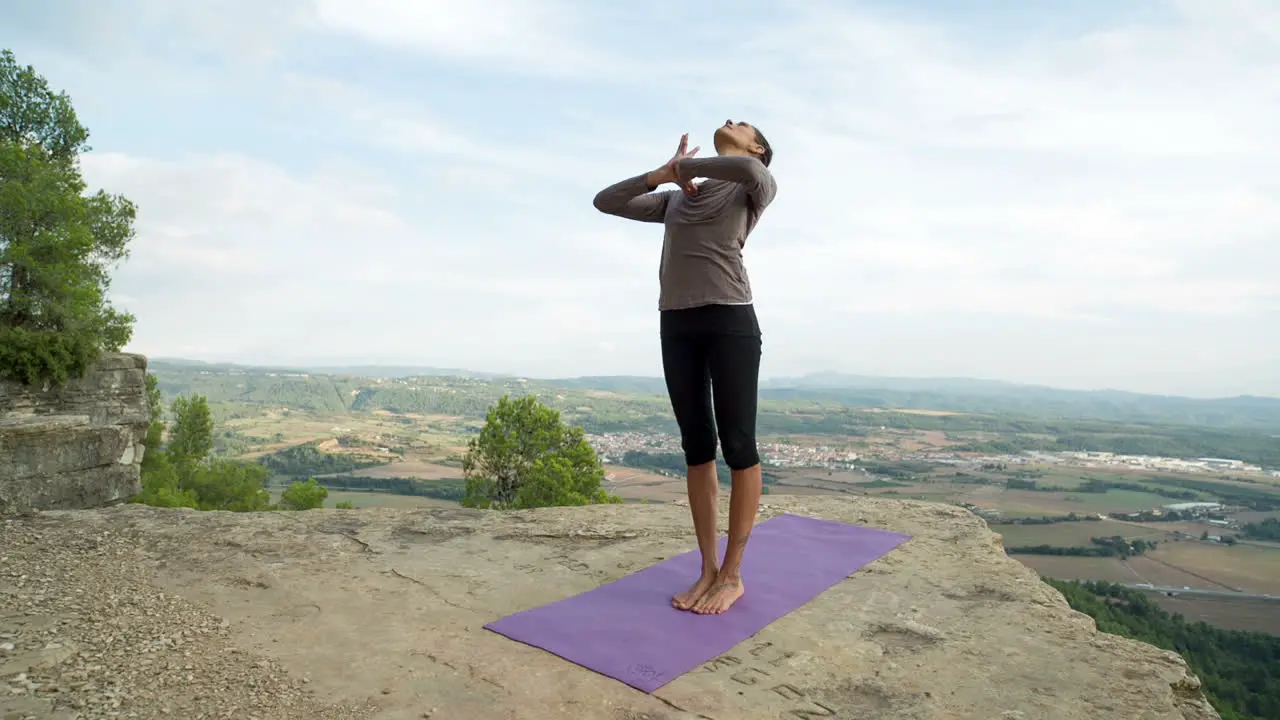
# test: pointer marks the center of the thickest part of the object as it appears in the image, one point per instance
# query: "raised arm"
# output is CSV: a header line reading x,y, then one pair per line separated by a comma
x,y
634,199
746,171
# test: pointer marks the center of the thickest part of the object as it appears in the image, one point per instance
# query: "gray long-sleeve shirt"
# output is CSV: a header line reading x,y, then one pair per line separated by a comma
x,y
704,234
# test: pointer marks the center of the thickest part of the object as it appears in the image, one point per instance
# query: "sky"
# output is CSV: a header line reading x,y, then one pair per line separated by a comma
x,y
1081,194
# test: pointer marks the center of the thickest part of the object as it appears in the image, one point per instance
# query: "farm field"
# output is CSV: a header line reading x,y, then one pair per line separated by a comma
x,y
925,440
1186,563
1114,501
1195,529
1252,569
1229,613
1049,475
1080,568
1071,534
632,484
941,487
1133,571
375,500
1163,574
269,430
416,469
1014,503
1033,503
806,476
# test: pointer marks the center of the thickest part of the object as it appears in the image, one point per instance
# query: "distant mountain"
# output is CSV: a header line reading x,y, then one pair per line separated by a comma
x,y
402,371
844,381
369,371
614,383
986,396
964,395
200,365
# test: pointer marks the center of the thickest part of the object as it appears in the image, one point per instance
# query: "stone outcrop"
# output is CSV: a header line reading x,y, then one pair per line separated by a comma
x,y
379,614
74,446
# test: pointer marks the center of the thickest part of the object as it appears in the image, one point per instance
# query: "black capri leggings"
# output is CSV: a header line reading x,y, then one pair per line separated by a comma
x,y
711,362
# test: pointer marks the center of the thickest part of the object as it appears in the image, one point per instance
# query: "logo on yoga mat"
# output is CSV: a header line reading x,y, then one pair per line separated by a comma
x,y
648,672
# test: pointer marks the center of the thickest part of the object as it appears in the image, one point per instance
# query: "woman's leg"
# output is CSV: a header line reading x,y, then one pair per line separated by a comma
x,y
687,373
735,374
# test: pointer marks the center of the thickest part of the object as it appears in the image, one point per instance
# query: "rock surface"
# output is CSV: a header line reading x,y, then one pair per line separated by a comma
x,y
74,446
379,614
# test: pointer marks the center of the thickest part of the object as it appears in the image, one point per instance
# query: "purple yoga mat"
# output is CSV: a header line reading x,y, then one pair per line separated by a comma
x,y
627,629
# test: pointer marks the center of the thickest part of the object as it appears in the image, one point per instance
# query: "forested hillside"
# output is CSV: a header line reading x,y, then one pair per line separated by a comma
x,y
1240,670
602,405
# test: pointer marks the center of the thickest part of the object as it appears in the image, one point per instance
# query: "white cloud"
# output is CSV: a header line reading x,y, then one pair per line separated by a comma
x,y
520,35
1061,177
240,256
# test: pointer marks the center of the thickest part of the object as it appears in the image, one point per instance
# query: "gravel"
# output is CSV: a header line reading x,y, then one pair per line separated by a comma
x,y
85,636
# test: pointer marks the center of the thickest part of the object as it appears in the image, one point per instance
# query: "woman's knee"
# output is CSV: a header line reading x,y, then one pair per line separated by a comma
x,y
699,448
740,452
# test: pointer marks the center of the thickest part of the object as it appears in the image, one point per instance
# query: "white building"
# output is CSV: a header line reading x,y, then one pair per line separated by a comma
x,y
1183,507
1222,463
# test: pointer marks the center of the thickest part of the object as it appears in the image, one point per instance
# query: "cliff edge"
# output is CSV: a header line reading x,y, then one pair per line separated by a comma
x,y
132,611
74,446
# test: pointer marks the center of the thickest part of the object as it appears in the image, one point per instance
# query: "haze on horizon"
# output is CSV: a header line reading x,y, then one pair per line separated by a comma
x,y
1080,197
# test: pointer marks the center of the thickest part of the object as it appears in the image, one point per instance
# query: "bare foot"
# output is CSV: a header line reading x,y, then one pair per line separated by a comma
x,y
722,595
687,599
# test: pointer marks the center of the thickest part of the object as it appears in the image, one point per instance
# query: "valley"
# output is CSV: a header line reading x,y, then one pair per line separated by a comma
x,y
1165,507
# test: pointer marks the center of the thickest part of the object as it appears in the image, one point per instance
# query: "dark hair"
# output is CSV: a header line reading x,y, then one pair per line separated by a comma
x,y
766,157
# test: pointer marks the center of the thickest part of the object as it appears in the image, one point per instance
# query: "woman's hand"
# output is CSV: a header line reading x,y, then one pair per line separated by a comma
x,y
669,173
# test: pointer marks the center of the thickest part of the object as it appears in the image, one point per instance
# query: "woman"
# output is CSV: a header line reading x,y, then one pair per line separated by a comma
x,y
710,336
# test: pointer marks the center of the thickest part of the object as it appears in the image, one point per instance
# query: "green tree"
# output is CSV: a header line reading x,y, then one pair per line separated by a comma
x,y
1268,529
182,474
161,488
303,496
191,438
344,505
228,485
526,457
57,244
153,442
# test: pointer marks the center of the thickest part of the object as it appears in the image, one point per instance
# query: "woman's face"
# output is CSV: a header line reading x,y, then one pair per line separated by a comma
x,y
736,135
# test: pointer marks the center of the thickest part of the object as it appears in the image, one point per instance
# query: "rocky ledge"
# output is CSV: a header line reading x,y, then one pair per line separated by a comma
x,y
78,445
141,612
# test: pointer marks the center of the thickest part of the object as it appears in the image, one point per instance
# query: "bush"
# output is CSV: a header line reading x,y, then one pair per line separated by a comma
x,y
303,496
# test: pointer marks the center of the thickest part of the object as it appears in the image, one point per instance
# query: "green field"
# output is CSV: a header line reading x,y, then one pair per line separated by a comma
x,y
1115,501
1070,534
